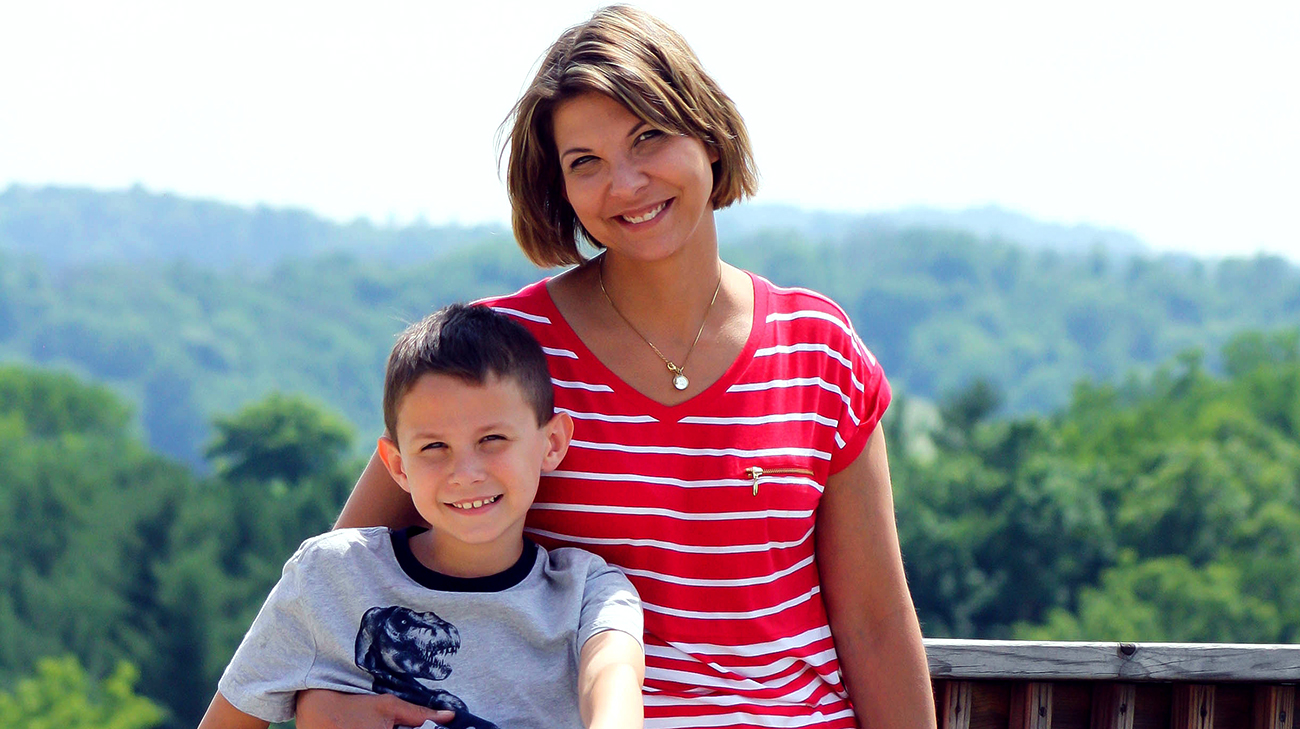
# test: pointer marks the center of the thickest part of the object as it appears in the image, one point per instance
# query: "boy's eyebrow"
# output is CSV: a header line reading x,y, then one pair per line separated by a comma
x,y
496,426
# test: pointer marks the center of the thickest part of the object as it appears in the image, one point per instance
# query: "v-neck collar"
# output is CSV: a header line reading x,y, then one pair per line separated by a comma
x,y
696,404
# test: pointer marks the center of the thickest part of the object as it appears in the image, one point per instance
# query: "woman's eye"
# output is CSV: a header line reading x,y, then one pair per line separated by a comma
x,y
649,134
580,161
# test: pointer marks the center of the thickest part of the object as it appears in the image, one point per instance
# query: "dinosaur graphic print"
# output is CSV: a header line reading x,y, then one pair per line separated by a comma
x,y
405,651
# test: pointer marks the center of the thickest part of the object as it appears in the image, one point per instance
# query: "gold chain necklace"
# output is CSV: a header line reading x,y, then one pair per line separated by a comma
x,y
679,372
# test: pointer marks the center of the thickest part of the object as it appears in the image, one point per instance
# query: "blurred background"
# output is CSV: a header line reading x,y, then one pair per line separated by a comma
x,y
1068,233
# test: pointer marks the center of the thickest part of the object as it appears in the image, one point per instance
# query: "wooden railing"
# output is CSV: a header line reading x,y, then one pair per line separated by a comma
x,y
982,684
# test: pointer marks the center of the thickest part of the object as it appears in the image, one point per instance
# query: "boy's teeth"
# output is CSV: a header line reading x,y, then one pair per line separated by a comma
x,y
476,504
649,214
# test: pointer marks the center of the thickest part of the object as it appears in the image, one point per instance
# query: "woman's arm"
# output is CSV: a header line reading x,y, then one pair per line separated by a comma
x,y
610,672
873,621
377,500
221,714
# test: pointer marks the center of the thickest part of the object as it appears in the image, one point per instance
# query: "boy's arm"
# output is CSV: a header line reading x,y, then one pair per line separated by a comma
x,y
221,714
611,669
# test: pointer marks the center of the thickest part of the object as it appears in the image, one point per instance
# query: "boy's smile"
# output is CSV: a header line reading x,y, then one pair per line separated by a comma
x,y
470,455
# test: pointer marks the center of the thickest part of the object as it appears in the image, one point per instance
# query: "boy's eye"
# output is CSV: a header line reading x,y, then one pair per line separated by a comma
x,y
492,437
436,445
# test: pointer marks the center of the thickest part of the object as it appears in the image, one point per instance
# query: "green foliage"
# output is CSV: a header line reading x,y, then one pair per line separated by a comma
x,y
192,309
109,552
62,696
1165,599
51,404
282,436
1165,509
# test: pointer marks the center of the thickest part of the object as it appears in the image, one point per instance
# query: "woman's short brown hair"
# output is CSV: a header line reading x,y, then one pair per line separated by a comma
x,y
636,59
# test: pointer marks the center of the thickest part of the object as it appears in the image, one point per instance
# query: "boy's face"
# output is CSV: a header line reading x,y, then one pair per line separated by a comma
x,y
470,456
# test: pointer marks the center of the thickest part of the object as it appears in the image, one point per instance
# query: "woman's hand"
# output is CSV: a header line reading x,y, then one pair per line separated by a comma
x,y
332,710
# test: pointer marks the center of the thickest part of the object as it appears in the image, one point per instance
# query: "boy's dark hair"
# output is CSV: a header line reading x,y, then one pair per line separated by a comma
x,y
472,343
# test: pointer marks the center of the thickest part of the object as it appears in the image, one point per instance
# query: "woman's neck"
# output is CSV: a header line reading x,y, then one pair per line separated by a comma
x,y
670,296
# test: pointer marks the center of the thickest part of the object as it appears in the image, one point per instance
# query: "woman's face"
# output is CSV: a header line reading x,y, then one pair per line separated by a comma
x,y
640,191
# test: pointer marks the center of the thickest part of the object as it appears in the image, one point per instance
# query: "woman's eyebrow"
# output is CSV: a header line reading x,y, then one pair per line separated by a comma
x,y
572,150
637,127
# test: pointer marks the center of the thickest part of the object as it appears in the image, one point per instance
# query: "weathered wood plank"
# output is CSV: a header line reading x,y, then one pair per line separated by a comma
x,y
1234,705
955,711
1193,707
990,704
1060,660
1113,705
1275,707
1031,706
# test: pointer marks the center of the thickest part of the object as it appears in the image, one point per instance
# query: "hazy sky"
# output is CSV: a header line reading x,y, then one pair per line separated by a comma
x,y
1176,121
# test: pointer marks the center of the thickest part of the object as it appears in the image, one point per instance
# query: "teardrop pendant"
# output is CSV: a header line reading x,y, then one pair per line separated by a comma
x,y
680,382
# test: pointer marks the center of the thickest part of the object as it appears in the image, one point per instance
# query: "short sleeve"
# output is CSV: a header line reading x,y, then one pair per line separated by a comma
x,y
609,602
867,396
271,664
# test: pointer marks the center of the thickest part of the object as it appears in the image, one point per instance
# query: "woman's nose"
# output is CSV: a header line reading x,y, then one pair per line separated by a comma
x,y
628,179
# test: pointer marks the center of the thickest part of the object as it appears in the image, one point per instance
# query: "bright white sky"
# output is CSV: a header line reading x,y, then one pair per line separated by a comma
x,y
1176,121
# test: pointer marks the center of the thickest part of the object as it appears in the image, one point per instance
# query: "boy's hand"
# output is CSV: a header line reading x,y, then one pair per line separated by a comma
x,y
319,709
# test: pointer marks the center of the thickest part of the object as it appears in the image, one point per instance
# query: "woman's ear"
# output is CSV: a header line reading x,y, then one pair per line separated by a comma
x,y
559,431
392,458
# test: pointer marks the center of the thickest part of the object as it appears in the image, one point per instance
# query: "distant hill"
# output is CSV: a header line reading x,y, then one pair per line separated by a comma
x,y
70,226
991,223
191,308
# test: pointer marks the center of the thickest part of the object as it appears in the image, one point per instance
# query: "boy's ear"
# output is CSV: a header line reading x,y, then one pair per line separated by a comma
x,y
559,431
392,458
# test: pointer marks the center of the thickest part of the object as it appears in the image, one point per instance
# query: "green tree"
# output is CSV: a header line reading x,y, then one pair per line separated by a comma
x,y
62,696
282,436
1164,599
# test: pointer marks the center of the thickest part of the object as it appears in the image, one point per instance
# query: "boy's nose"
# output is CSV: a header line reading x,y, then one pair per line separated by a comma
x,y
467,469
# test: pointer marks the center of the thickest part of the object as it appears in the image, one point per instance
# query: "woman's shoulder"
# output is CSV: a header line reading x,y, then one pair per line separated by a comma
x,y
532,299
533,307
802,308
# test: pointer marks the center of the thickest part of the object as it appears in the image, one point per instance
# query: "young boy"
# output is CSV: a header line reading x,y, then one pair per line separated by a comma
x,y
467,615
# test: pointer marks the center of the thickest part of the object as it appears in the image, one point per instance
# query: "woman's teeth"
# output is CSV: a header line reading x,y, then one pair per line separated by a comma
x,y
474,504
649,215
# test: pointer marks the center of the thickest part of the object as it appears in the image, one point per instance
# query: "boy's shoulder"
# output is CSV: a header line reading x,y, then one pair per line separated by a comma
x,y
571,558
344,544
583,565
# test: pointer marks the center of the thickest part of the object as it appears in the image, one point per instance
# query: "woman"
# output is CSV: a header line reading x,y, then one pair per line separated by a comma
x,y
727,451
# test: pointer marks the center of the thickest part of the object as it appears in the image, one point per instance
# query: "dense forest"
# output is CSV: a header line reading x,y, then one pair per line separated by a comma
x,y
1087,444
206,307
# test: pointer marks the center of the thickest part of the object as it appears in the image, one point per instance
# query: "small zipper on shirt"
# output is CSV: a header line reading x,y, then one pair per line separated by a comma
x,y
757,472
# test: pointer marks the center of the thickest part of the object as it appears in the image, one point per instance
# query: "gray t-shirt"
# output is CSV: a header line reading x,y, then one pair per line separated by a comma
x,y
354,611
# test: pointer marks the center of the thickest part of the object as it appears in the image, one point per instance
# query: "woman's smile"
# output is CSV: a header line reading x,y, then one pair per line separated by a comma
x,y
644,217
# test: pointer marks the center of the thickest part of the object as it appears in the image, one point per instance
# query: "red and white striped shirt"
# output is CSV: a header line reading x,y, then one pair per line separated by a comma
x,y
722,554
